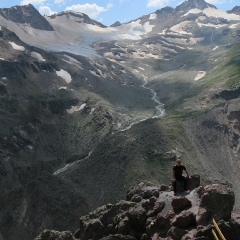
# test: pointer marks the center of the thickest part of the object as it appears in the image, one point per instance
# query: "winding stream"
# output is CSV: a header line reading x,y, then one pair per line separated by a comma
x,y
72,164
159,108
159,113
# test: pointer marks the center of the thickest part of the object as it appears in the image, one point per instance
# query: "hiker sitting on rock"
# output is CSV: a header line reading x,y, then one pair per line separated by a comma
x,y
177,175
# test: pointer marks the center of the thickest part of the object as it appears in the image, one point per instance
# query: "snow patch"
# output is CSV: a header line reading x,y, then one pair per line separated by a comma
x,y
179,28
76,108
210,25
193,11
234,25
65,75
148,27
17,47
153,16
163,32
37,56
183,41
212,12
201,74
92,110
72,61
94,73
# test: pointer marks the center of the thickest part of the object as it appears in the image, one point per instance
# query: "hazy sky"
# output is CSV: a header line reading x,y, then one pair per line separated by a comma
x,y
109,11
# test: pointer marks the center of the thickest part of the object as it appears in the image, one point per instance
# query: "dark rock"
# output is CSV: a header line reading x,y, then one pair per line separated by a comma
x,y
137,216
185,219
205,233
136,198
94,230
176,233
144,189
180,204
230,229
124,226
118,237
157,237
193,182
157,208
55,235
217,202
148,204
199,191
190,235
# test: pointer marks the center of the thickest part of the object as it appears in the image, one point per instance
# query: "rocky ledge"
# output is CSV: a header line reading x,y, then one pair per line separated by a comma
x,y
153,212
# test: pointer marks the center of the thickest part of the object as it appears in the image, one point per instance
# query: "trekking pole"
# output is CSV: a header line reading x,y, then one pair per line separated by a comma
x,y
218,229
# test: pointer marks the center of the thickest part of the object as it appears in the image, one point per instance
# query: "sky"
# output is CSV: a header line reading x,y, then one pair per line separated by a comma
x,y
109,11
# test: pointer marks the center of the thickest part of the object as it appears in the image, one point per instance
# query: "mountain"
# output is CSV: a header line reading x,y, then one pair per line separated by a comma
x,y
76,17
87,111
235,10
25,15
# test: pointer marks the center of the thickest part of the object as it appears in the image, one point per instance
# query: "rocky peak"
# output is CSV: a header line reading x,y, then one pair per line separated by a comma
x,y
235,10
26,15
153,212
116,24
191,4
77,17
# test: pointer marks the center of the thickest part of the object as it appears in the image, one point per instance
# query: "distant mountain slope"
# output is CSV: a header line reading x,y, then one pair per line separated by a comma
x,y
235,10
26,15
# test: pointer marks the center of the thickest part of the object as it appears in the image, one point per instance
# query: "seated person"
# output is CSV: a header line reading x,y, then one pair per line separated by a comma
x,y
177,175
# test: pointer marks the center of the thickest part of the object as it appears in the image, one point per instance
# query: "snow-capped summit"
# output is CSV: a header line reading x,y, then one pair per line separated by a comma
x,y
76,17
191,4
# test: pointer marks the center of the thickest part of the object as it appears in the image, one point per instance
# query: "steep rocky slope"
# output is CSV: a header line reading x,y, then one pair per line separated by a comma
x,y
152,212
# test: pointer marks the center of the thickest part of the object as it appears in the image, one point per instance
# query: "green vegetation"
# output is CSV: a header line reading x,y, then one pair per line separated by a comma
x,y
9,104
227,72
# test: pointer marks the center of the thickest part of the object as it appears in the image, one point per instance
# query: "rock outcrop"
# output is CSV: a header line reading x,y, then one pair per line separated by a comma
x,y
153,212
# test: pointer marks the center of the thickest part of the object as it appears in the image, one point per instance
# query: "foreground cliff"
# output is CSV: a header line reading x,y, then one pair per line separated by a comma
x,y
153,212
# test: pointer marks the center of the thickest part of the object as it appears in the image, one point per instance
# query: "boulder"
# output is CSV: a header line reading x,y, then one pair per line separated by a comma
x,y
181,203
94,230
124,226
157,208
144,189
137,216
185,219
136,198
193,182
217,202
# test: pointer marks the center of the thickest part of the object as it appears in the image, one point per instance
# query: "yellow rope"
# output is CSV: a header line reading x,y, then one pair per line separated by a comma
x,y
215,235
218,229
